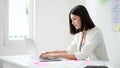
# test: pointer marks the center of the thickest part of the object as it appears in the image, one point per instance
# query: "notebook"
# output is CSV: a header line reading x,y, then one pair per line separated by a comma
x,y
33,52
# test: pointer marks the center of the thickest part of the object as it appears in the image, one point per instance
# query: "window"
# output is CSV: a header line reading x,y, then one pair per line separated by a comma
x,y
19,23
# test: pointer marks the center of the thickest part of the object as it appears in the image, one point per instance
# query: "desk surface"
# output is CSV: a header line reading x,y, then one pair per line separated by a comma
x,y
26,61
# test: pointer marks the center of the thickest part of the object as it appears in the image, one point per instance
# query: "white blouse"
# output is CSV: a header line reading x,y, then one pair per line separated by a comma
x,y
94,38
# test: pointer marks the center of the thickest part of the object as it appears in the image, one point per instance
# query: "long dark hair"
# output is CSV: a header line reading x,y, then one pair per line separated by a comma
x,y
86,21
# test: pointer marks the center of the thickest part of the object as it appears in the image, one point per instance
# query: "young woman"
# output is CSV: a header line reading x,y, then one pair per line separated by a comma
x,y
87,37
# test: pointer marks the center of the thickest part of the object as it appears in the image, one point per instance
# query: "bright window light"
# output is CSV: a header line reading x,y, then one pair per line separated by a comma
x,y
18,27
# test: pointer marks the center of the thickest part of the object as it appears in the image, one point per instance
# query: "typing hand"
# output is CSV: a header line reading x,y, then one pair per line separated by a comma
x,y
43,55
48,55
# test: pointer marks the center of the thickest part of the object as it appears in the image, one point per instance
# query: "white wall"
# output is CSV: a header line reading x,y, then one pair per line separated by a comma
x,y
52,27
77,2
52,23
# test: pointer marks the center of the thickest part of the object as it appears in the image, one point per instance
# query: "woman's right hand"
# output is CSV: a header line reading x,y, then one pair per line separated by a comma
x,y
43,54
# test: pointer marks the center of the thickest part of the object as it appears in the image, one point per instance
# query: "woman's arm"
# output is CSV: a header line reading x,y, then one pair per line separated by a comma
x,y
67,56
67,53
61,54
57,51
52,53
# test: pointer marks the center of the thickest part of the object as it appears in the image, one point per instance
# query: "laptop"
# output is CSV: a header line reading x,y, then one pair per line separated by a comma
x,y
33,52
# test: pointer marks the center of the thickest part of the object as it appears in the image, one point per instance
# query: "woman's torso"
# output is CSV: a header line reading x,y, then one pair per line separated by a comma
x,y
90,32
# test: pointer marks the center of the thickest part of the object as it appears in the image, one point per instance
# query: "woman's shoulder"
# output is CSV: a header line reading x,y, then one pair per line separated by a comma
x,y
96,30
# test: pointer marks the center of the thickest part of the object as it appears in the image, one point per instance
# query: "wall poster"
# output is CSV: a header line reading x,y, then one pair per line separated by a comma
x,y
116,14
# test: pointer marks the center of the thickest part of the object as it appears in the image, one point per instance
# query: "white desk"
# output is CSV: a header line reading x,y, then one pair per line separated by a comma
x,y
24,61
18,61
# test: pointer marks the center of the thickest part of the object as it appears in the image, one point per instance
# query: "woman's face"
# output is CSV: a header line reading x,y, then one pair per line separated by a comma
x,y
76,21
